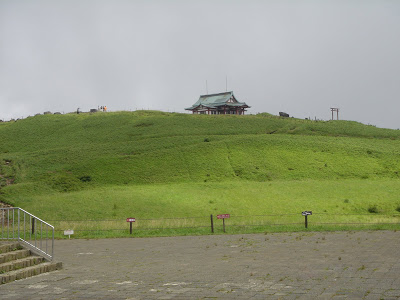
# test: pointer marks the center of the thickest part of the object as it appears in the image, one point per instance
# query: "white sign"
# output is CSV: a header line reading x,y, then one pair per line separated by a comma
x,y
68,232
306,213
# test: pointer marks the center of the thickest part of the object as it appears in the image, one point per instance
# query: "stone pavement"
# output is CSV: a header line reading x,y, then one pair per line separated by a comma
x,y
335,265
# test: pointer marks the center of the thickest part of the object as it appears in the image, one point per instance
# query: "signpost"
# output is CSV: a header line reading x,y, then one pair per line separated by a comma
x,y
223,217
305,214
130,221
68,232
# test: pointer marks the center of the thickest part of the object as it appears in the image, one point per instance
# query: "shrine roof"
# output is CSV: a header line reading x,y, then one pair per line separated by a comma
x,y
215,100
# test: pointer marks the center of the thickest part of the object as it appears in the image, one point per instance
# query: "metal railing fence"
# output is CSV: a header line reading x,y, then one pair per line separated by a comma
x,y
18,224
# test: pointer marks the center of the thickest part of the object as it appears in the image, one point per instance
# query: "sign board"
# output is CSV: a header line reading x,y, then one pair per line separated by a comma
x,y
68,232
131,220
306,213
223,216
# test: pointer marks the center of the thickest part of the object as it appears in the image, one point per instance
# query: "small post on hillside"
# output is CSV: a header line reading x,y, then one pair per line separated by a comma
x,y
212,223
306,214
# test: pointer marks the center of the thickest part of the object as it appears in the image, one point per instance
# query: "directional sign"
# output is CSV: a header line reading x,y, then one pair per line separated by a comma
x,y
131,220
306,213
223,216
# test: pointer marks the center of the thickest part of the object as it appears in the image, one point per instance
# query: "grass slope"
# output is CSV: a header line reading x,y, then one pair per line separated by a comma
x,y
109,165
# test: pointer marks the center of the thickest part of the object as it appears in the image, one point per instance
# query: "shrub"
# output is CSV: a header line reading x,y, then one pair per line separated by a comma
x,y
144,124
398,208
373,209
63,181
85,178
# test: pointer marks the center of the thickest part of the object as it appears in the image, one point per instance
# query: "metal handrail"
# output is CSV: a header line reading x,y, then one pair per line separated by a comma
x,y
14,227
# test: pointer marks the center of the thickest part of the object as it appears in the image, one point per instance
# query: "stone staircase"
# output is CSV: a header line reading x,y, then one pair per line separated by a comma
x,y
17,262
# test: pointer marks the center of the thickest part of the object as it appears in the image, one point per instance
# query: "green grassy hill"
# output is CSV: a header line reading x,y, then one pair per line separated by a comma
x,y
168,164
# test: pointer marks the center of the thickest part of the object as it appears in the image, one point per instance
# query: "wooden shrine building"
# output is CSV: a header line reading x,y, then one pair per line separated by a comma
x,y
218,104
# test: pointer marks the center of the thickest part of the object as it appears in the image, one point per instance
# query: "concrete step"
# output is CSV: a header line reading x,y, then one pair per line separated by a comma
x,y
20,263
13,255
7,247
17,262
30,271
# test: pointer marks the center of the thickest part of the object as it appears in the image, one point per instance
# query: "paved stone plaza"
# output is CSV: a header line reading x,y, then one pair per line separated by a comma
x,y
335,265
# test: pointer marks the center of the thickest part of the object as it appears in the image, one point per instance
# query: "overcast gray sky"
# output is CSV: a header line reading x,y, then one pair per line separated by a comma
x,y
300,57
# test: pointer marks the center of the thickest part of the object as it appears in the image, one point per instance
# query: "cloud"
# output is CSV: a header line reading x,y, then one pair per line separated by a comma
x,y
300,57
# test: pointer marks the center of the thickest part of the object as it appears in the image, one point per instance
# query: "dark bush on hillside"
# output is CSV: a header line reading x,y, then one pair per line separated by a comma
x,y
373,209
398,208
238,172
206,140
63,181
144,124
85,178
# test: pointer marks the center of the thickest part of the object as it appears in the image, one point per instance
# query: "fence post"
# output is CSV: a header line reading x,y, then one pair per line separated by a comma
x,y
212,224
33,225
306,222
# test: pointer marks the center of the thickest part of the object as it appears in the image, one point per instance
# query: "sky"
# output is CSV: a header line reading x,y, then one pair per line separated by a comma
x,y
298,57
